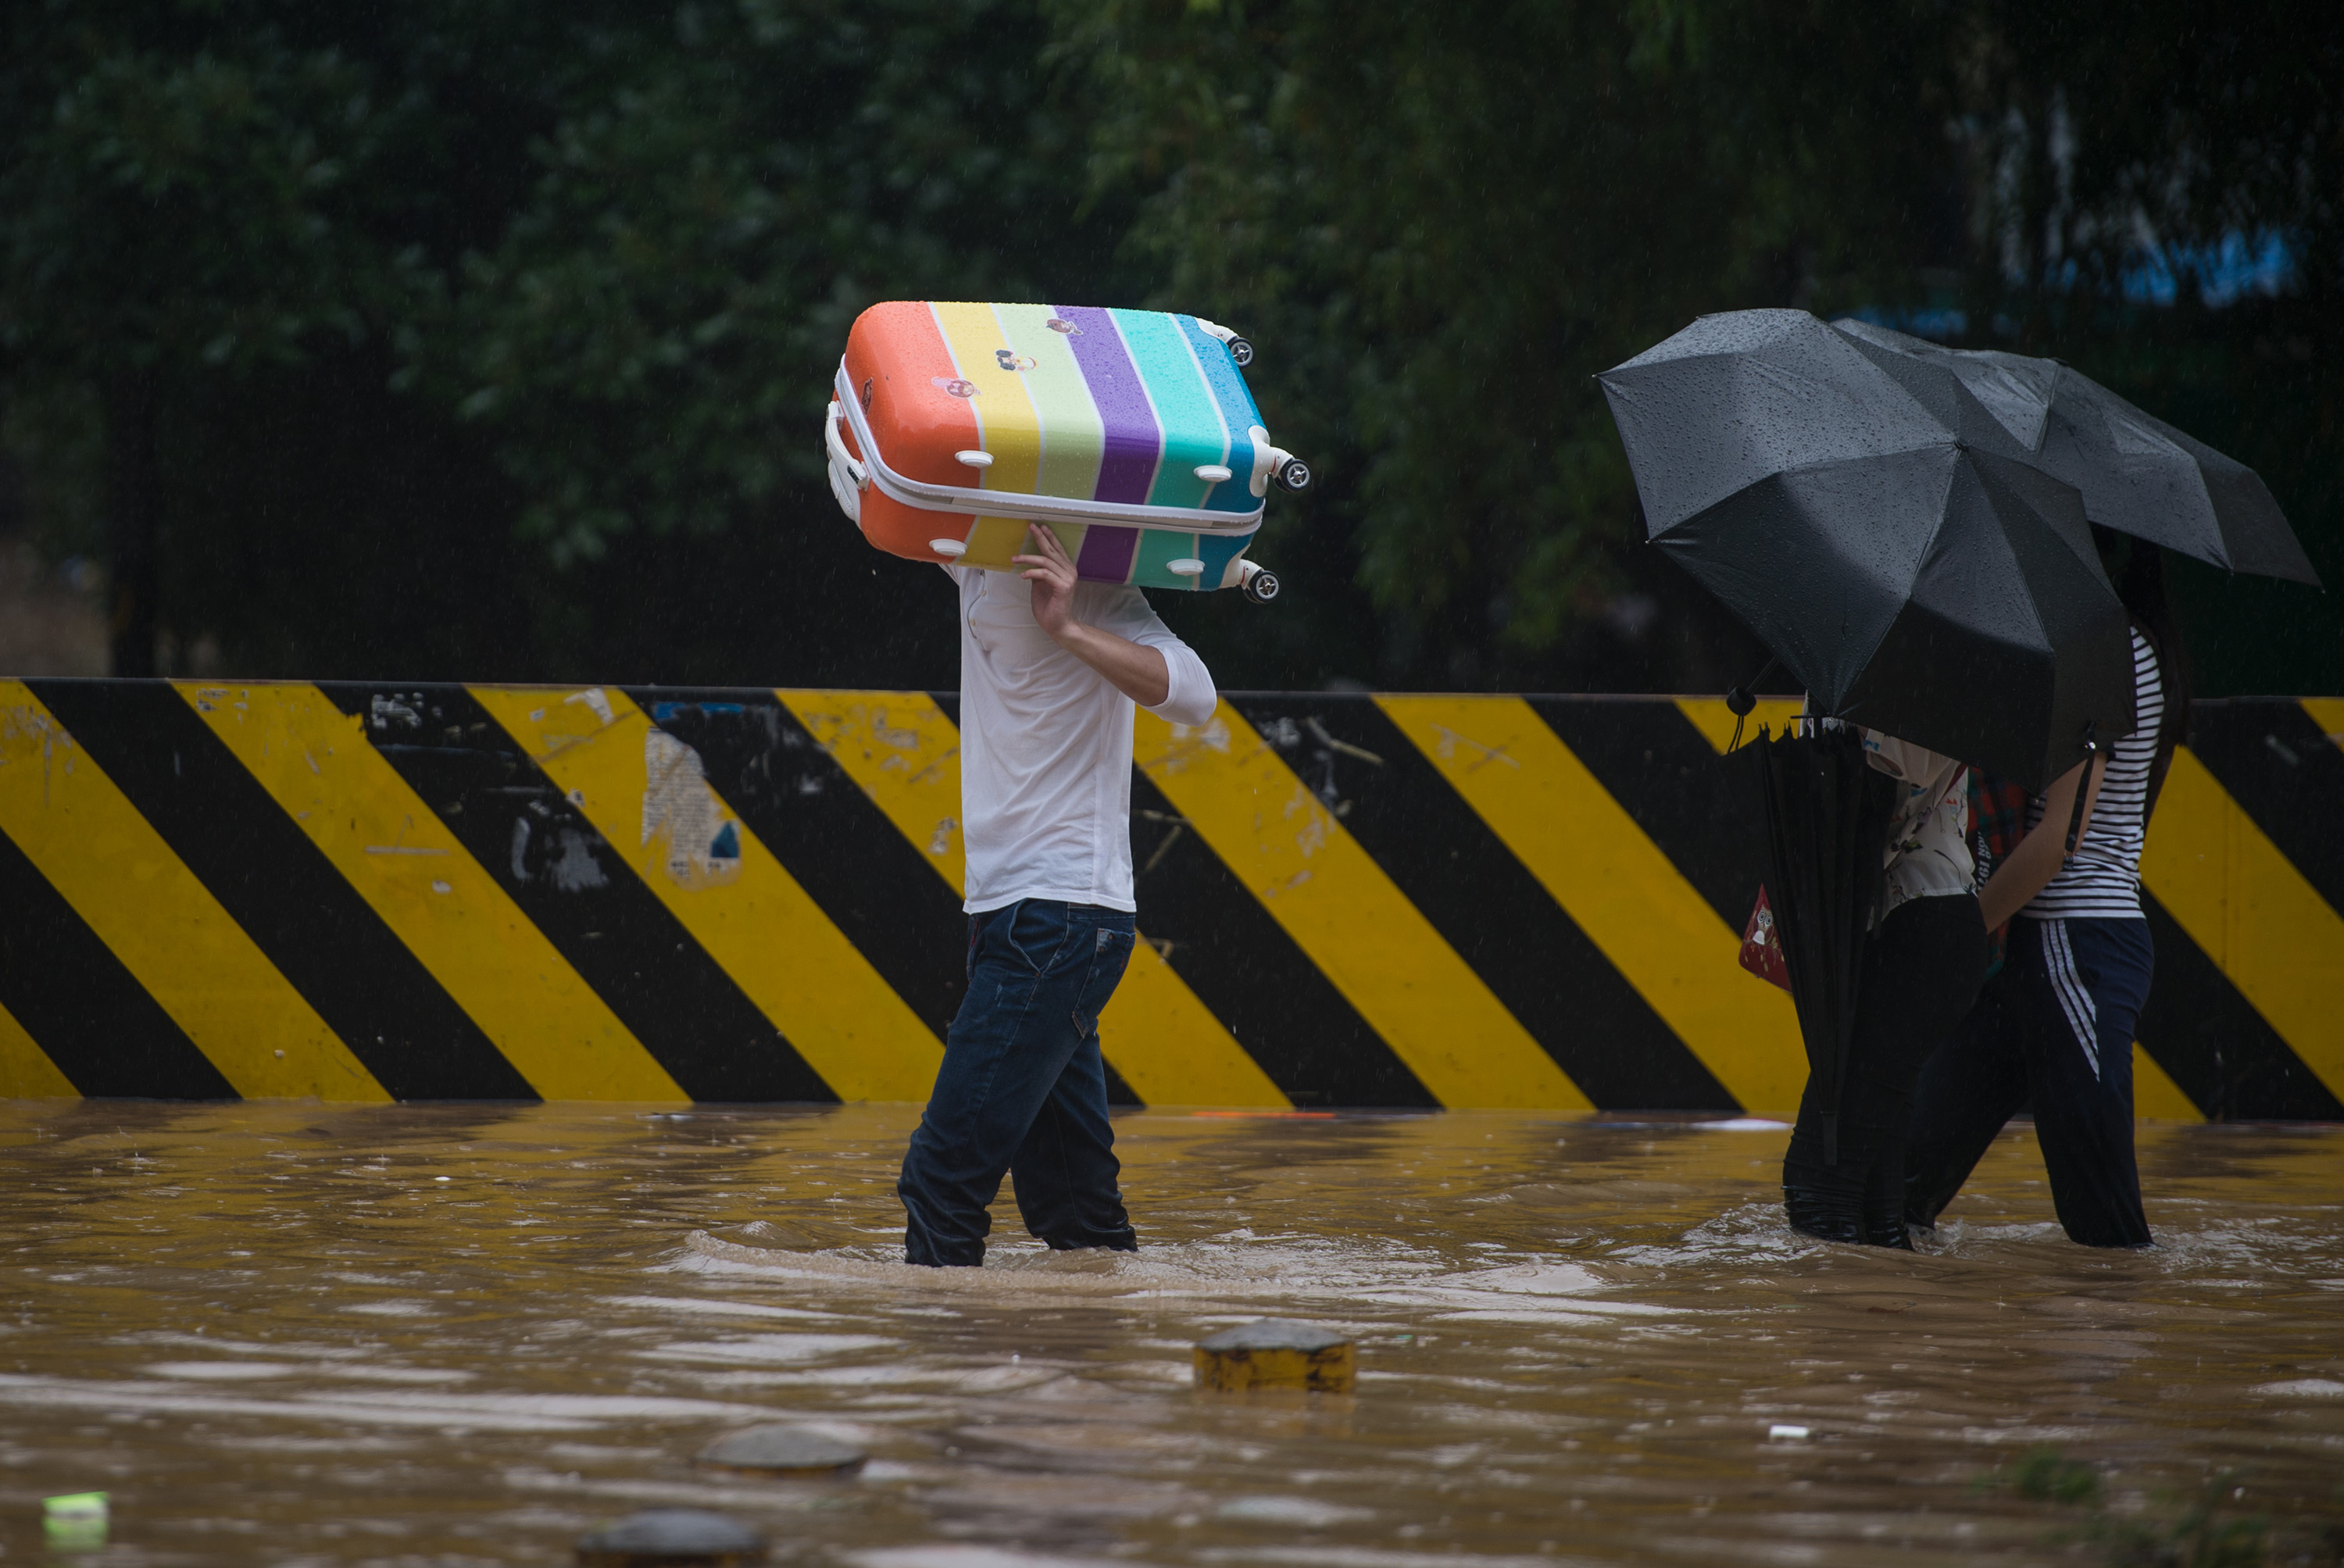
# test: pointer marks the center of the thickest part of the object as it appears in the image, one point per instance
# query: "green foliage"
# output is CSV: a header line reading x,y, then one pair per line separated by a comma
x,y
2045,1475
490,338
2197,1529
716,193
469,324
1440,222
188,185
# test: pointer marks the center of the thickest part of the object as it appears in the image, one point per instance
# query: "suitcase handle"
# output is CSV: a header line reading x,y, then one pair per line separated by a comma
x,y
929,497
835,440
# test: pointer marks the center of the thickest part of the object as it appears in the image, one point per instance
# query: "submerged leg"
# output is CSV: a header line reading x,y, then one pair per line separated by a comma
x,y
1969,1089
1921,973
2090,981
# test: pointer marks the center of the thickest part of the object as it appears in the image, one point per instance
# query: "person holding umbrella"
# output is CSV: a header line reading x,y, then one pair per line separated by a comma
x,y
1843,1175
1909,530
2054,1027
1939,597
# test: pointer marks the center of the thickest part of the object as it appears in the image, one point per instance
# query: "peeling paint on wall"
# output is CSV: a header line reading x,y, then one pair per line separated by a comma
x,y
683,815
575,869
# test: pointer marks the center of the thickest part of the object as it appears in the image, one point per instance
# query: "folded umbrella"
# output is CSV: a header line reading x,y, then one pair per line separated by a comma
x,y
1828,813
2137,474
1908,567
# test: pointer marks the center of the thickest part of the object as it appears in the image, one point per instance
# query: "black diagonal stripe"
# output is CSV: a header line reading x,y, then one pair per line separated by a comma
x,y
582,894
851,860
2212,1043
2284,772
1445,860
1697,807
73,996
844,851
314,926
1285,1014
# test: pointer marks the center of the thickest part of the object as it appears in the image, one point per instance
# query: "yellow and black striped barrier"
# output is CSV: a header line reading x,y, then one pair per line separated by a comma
x,y
368,892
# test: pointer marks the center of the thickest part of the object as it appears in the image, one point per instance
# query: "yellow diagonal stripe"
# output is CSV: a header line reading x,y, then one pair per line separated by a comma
x,y
2328,712
1616,886
25,1070
1344,913
169,932
904,752
316,763
789,958
2154,1095
2252,912
1715,721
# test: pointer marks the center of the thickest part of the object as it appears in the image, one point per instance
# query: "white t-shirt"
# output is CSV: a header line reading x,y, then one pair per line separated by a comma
x,y
2102,881
1045,742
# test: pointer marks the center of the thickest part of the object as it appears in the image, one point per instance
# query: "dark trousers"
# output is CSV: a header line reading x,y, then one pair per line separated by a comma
x,y
1921,972
1023,1089
2053,1029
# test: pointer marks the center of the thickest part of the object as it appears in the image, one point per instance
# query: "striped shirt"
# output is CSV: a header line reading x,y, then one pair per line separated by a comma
x,y
2102,880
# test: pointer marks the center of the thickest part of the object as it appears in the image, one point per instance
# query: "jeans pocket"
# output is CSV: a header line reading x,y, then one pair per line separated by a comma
x,y
1036,931
1110,956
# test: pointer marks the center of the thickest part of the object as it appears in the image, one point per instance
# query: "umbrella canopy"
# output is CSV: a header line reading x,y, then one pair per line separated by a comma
x,y
1828,813
1943,593
2137,474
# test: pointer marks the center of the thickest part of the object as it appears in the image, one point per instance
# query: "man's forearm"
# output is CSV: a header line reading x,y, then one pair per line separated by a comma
x,y
1138,672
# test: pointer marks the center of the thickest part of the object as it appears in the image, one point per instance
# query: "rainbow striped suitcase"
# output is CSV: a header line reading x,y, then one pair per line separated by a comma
x,y
1129,433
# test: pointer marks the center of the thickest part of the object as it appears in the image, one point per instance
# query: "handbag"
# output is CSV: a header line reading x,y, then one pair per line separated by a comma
x,y
1761,950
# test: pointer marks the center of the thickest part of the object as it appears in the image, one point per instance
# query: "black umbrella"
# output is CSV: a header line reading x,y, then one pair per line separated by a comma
x,y
1943,591
1827,815
2137,474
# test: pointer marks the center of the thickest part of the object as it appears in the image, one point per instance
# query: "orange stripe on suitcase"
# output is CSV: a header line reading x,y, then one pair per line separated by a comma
x,y
925,419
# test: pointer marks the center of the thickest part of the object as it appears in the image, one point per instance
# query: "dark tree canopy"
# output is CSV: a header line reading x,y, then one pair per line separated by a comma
x,y
490,339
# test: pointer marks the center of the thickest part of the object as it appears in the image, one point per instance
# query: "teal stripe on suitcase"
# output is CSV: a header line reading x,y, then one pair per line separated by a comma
x,y
1194,432
1238,413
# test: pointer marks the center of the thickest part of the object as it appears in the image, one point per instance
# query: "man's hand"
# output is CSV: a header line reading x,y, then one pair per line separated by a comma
x,y
1140,673
1052,574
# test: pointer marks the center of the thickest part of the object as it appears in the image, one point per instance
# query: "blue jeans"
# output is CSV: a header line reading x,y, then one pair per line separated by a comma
x,y
2053,1030
1023,1090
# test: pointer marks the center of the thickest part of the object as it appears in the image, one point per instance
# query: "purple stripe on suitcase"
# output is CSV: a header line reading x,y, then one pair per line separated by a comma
x,y
1133,443
1106,552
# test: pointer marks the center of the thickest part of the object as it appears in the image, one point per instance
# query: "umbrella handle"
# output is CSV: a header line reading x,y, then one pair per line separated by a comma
x,y
2076,813
1739,701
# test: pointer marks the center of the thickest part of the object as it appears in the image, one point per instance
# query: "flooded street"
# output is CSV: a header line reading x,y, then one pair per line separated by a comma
x,y
288,1334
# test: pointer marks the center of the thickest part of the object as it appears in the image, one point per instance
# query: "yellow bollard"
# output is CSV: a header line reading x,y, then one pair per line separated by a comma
x,y
1273,1354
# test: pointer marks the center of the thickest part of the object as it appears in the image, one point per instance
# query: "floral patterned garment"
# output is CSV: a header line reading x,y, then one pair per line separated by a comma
x,y
1928,852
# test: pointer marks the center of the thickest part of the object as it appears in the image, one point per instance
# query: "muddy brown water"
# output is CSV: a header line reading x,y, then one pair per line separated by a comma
x,y
289,1334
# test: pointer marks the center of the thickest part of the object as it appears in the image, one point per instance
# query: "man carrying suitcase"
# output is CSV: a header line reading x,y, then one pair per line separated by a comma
x,y
1050,668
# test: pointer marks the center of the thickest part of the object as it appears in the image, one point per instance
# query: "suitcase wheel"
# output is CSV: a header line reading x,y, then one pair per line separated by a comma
x,y
1261,586
1294,475
1241,352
